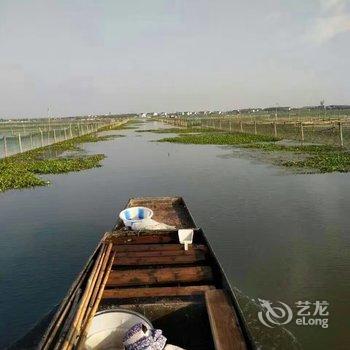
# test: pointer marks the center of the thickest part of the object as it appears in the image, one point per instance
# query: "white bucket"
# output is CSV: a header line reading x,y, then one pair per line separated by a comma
x,y
108,328
134,215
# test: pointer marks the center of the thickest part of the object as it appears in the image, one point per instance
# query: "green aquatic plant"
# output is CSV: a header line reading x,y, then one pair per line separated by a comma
x,y
179,130
322,158
276,147
219,138
21,170
325,162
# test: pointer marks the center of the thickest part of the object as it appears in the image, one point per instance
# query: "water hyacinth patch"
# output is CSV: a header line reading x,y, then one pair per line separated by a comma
x,y
319,158
21,170
219,138
179,130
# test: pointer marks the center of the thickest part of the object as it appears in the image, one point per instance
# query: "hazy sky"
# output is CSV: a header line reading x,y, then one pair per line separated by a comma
x,y
82,57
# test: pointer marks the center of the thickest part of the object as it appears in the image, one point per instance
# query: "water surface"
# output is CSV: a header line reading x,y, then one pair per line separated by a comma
x,y
279,236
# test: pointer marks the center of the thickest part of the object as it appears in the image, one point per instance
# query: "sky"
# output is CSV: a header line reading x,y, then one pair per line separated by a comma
x,y
80,57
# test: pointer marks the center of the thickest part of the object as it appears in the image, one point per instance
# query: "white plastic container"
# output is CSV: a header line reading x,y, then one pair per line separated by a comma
x,y
108,328
134,215
185,237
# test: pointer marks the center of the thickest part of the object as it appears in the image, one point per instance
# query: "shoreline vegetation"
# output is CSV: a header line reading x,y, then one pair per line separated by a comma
x,y
179,130
22,169
315,158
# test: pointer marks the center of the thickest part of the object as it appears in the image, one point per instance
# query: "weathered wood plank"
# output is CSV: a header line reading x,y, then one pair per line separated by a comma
x,y
159,260
126,293
159,276
182,252
154,247
227,334
150,239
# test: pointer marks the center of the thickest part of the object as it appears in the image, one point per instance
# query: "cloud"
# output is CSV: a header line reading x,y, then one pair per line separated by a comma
x,y
328,5
325,29
333,19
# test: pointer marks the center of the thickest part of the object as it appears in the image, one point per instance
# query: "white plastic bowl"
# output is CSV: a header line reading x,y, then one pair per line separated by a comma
x,y
108,328
135,215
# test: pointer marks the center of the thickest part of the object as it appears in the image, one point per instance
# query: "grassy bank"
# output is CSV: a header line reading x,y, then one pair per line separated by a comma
x,y
21,170
125,126
320,158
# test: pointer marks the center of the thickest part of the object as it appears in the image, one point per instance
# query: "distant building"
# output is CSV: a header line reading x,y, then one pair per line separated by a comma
x,y
338,107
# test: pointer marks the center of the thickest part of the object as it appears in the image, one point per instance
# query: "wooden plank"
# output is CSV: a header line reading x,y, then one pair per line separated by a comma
x,y
155,247
149,239
126,293
142,254
227,334
160,276
159,260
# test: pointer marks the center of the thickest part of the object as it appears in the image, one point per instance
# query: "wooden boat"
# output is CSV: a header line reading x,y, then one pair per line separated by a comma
x,y
184,293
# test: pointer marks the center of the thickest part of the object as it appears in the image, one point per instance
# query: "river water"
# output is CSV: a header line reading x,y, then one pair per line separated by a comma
x,y
279,236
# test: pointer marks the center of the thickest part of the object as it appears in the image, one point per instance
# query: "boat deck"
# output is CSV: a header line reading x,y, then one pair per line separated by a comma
x,y
168,210
182,292
154,275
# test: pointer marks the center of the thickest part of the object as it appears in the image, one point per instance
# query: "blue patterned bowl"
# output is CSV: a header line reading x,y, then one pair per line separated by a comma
x,y
135,215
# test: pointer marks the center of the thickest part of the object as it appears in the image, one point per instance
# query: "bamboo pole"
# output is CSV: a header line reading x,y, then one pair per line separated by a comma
x,y
5,146
341,140
42,138
75,327
99,292
275,128
68,321
67,301
69,339
301,132
98,282
20,143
